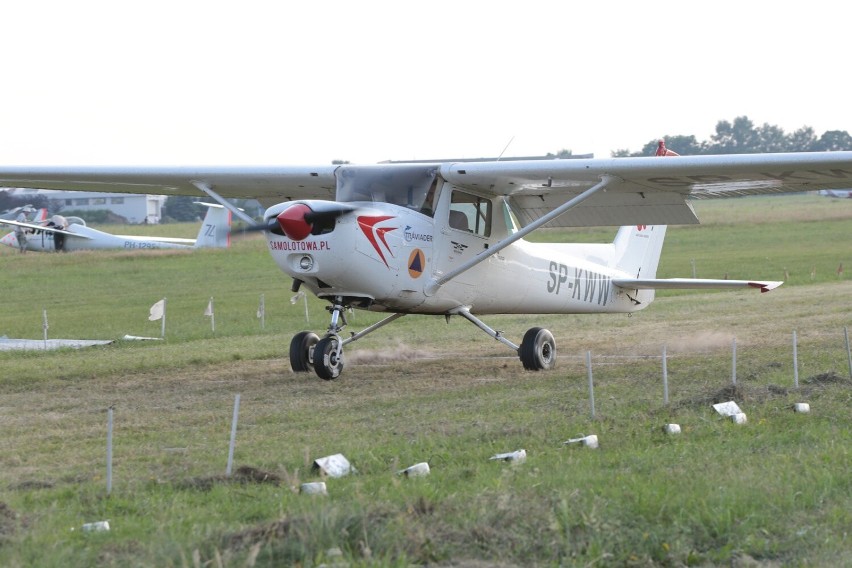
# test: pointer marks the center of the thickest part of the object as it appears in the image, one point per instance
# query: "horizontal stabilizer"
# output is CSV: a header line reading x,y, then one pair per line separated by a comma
x,y
690,284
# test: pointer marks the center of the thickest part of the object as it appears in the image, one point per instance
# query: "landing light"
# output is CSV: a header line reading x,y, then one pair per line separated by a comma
x,y
306,262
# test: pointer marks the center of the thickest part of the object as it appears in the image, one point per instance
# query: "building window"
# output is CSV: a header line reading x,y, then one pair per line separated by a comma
x,y
116,200
84,201
99,201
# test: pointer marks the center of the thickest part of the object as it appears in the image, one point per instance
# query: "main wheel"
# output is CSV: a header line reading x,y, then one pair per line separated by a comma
x,y
538,350
301,351
327,364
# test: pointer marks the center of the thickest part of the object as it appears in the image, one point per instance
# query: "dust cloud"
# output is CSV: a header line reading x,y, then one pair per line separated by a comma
x,y
702,341
391,354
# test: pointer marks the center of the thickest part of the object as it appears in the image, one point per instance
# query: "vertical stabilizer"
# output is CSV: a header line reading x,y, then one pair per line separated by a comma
x,y
638,250
215,231
637,253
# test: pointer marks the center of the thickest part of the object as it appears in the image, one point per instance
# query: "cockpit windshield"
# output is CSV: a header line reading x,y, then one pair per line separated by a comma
x,y
411,186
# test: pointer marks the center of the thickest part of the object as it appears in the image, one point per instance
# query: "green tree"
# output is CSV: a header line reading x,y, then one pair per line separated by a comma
x,y
738,137
742,137
181,208
803,140
768,138
833,140
563,153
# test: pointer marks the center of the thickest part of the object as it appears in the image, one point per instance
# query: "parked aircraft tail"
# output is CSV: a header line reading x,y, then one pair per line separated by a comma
x,y
215,231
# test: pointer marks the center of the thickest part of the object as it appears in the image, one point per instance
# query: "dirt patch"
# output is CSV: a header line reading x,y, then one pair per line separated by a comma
x,y
756,394
829,378
9,521
31,485
276,530
244,474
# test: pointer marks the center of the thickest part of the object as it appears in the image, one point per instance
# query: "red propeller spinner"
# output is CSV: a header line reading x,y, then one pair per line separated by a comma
x,y
293,222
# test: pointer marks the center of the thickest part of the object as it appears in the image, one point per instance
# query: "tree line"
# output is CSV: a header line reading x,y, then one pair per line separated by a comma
x,y
742,137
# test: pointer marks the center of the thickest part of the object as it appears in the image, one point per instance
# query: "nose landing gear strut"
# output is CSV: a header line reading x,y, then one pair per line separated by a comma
x,y
325,356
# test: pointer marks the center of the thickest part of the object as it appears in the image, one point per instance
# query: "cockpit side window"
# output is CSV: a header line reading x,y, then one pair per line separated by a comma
x,y
470,213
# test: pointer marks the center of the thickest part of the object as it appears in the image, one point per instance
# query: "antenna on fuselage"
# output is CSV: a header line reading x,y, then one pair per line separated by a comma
x,y
506,147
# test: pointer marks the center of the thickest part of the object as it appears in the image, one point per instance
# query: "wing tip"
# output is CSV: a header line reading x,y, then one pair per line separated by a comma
x,y
765,286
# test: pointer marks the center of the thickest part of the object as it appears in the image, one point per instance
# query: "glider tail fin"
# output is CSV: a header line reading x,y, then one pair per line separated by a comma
x,y
215,231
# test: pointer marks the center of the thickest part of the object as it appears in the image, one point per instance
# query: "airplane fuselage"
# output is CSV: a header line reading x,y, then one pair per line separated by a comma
x,y
45,241
383,257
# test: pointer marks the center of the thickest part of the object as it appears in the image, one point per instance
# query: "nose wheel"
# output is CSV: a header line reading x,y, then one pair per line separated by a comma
x,y
328,357
323,356
302,348
309,353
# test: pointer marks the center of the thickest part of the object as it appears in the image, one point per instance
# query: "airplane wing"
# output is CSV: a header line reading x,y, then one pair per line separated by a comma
x,y
34,228
170,240
645,190
269,185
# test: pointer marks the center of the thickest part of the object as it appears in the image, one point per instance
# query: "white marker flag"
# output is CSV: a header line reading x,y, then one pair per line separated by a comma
x,y
301,296
157,311
209,313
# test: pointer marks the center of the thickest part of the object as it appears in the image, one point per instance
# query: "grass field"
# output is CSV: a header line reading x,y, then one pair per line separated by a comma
x,y
773,492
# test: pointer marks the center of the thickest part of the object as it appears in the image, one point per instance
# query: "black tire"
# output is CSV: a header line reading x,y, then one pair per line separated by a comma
x,y
301,347
326,362
538,350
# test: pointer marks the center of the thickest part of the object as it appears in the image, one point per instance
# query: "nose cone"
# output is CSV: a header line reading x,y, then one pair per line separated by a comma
x,y
293,224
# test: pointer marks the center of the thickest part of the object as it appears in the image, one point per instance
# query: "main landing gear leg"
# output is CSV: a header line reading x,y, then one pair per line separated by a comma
x,y
325,356
537,351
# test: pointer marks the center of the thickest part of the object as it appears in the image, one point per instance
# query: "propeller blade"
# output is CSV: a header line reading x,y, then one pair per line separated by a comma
x,y
328,213
297,221
269,225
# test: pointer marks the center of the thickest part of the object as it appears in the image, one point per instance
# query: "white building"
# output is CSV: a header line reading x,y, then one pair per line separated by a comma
x,y
133,207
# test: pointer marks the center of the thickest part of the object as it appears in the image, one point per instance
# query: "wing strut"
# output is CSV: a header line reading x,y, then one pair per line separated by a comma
x,y
372,328
223,202
436,283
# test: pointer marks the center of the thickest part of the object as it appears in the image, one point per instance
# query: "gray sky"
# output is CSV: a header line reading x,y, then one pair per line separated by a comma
x,y
261,82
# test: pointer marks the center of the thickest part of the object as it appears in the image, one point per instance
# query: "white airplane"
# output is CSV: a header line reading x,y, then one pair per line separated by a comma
x,y
215,231
832,193
447,238
39,215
